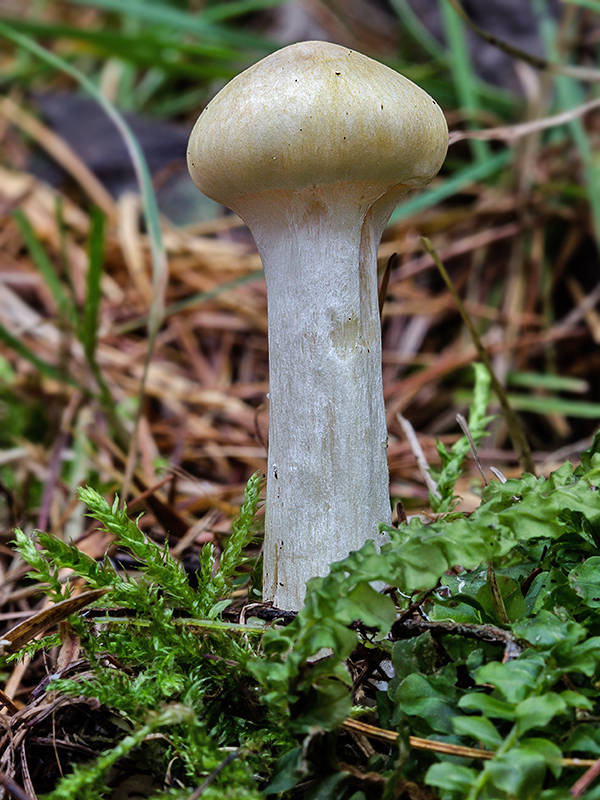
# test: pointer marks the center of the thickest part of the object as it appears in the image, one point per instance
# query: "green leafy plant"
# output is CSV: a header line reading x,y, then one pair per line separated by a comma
x,y
452,460
161,656
487,641
452,681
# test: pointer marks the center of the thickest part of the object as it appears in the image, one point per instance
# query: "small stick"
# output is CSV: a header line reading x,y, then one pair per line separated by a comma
x,y
219,768
515,431
508,133
581,785
443,747
13,788
418,453
553,67
497,598
501,477
465,429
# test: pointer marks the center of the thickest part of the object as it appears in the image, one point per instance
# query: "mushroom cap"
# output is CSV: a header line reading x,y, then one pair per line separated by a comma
x,y
311,114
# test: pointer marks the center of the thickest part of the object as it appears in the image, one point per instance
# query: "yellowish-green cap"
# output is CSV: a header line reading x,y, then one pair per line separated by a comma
x,y
311,114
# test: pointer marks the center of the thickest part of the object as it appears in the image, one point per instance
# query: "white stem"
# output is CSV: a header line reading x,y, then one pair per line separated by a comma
x,y
327,480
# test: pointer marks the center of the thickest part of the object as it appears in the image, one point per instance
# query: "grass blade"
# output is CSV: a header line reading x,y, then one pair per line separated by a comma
x,y
88,332
89,323
180,20
460,179
569,94
547,381
555,405
151,47
47,369
196,299
64,304
148,197
149,210
594,5
237,8
542,404
415,28
462,71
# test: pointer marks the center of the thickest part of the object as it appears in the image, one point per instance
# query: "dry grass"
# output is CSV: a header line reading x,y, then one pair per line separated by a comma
x,y
521,251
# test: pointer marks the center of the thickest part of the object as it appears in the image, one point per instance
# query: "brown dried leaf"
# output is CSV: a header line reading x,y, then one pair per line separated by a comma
x,y
25,631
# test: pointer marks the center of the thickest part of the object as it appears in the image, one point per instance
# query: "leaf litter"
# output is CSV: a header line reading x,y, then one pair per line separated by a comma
x,y
202,430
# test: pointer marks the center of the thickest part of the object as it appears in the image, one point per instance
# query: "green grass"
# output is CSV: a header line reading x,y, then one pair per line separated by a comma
x,y
569,93
463,73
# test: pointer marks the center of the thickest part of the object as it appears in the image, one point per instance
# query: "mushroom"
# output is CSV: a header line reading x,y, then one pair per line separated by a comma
x,y
312,147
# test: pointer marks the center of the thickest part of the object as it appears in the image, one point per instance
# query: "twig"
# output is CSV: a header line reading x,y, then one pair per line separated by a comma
x,y
515,431
213,775
499,474
55,465
485,633
508,133
581,785
415,605
417,743
574,71
497,598
465,429
61,152
418,453
13,788
7,702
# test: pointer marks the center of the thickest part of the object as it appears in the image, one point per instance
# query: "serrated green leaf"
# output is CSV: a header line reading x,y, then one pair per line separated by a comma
x,y
583,657
219,607
538,593
564,794
585,739
468,611
452,460
291,767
